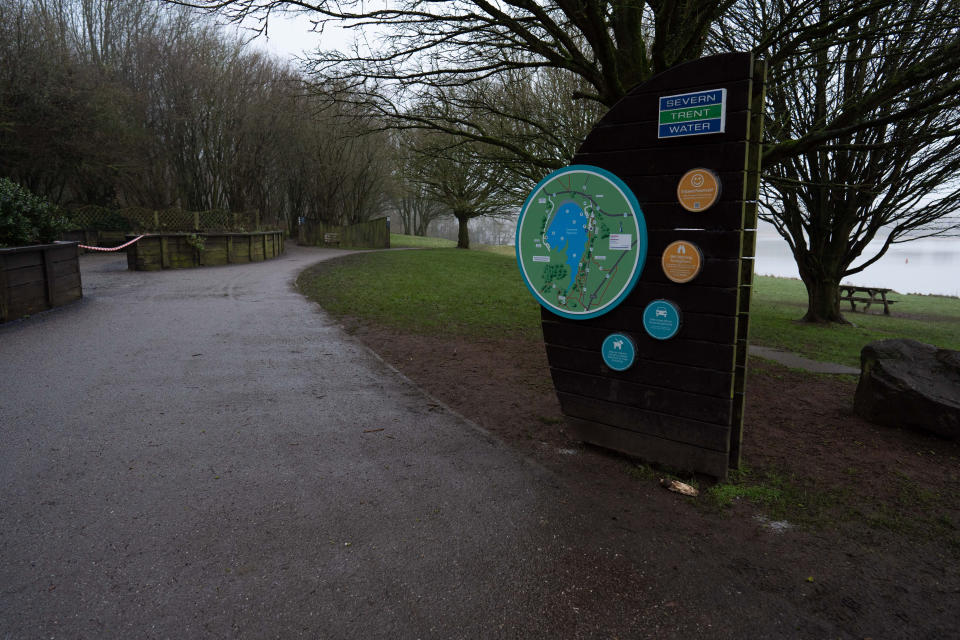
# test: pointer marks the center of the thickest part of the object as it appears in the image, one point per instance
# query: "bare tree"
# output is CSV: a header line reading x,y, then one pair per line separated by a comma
x,y
121,102
863,131
426,48
455,175
410,197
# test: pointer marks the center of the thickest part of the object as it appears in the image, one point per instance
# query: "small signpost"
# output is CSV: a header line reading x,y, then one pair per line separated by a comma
x,y
649,361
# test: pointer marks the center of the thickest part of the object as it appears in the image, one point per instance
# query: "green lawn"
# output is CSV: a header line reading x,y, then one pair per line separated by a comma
x,y
778,304
456,292
400,241
479,293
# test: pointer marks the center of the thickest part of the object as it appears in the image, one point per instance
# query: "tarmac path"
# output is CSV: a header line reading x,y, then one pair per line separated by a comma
x,y
205,454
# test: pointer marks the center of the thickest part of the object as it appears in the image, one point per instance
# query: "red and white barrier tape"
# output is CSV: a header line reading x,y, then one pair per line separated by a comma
x,y
123,246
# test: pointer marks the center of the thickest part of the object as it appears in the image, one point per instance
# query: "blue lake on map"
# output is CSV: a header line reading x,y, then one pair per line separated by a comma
x,y
568,230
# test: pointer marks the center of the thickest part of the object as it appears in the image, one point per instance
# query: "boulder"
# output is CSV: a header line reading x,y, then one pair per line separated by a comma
x,y
909,384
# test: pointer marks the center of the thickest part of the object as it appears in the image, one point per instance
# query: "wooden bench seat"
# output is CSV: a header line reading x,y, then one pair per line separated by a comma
x,y
866,296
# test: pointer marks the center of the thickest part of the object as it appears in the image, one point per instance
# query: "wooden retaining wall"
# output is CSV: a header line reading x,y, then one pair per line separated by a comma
x,y
373,234
179,251
38,277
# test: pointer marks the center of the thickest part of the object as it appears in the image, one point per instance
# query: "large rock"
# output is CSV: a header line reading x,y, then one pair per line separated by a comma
x,y
905,383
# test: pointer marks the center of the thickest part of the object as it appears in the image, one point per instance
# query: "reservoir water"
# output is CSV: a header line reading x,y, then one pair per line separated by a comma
x,y
930,265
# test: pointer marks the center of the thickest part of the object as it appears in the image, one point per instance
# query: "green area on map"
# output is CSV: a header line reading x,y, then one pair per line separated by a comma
x,y
577,243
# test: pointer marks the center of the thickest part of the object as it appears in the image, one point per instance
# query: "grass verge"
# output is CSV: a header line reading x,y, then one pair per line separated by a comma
x,y
480,293
440,291
915,511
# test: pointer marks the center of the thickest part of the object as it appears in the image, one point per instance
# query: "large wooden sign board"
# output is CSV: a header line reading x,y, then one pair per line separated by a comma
x,y
681,400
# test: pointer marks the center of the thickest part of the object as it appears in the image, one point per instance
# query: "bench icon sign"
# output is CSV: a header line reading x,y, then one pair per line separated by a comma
x,y
661,313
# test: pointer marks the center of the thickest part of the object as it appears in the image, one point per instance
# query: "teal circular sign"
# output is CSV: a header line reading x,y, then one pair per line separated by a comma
x,y
661,319
619,351
581,241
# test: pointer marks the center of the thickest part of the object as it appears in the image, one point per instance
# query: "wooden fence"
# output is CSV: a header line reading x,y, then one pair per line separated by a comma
x,y
374,234
185,250
38,277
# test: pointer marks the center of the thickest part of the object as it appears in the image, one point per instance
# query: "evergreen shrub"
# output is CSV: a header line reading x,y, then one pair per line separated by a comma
x,y
25,218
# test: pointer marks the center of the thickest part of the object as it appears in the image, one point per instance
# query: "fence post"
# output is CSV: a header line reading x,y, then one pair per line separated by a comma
x,y
156,220
256,219
196,220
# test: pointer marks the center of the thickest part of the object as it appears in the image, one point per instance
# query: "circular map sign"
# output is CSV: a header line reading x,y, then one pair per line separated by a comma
x,y
581,241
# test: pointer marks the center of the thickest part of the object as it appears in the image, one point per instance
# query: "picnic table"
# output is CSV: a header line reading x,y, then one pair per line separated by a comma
x,y
867,296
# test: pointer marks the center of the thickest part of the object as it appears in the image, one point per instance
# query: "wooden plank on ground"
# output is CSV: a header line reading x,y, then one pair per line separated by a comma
x,y
651,448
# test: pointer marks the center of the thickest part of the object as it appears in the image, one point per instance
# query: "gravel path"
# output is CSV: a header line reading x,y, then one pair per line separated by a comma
x,y
204,454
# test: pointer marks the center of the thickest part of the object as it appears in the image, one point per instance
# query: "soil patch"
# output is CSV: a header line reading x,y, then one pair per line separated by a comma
x,y
847,524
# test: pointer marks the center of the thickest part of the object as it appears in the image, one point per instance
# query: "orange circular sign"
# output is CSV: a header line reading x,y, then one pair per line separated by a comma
x,y
681,261
699,189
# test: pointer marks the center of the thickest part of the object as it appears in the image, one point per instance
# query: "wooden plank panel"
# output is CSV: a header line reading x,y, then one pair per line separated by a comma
x,y
692,353
703,434
65,267
661,189
25,275
66,296
66,281
692,297
724,156
715,244
28,292
715,272
651,448
19,259
48,275
63,253
650,398
695,326
3,288
693,379
214,256
726,215
20,308
164,252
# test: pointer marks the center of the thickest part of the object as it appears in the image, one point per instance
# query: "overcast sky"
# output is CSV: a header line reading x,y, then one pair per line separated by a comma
x,y
290,35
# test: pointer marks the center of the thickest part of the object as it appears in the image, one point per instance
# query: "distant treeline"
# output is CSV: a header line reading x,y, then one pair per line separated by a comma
x,y
123,103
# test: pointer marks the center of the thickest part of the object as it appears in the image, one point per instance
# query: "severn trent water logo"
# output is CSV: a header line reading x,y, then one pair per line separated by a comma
x,y
581,241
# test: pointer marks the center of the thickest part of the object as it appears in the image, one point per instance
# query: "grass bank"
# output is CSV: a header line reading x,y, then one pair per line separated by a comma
x,y
480,293
779,303
448,291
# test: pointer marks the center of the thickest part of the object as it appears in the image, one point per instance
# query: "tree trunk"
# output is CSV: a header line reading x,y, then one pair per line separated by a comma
x,y
463,235
422,225
823,299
